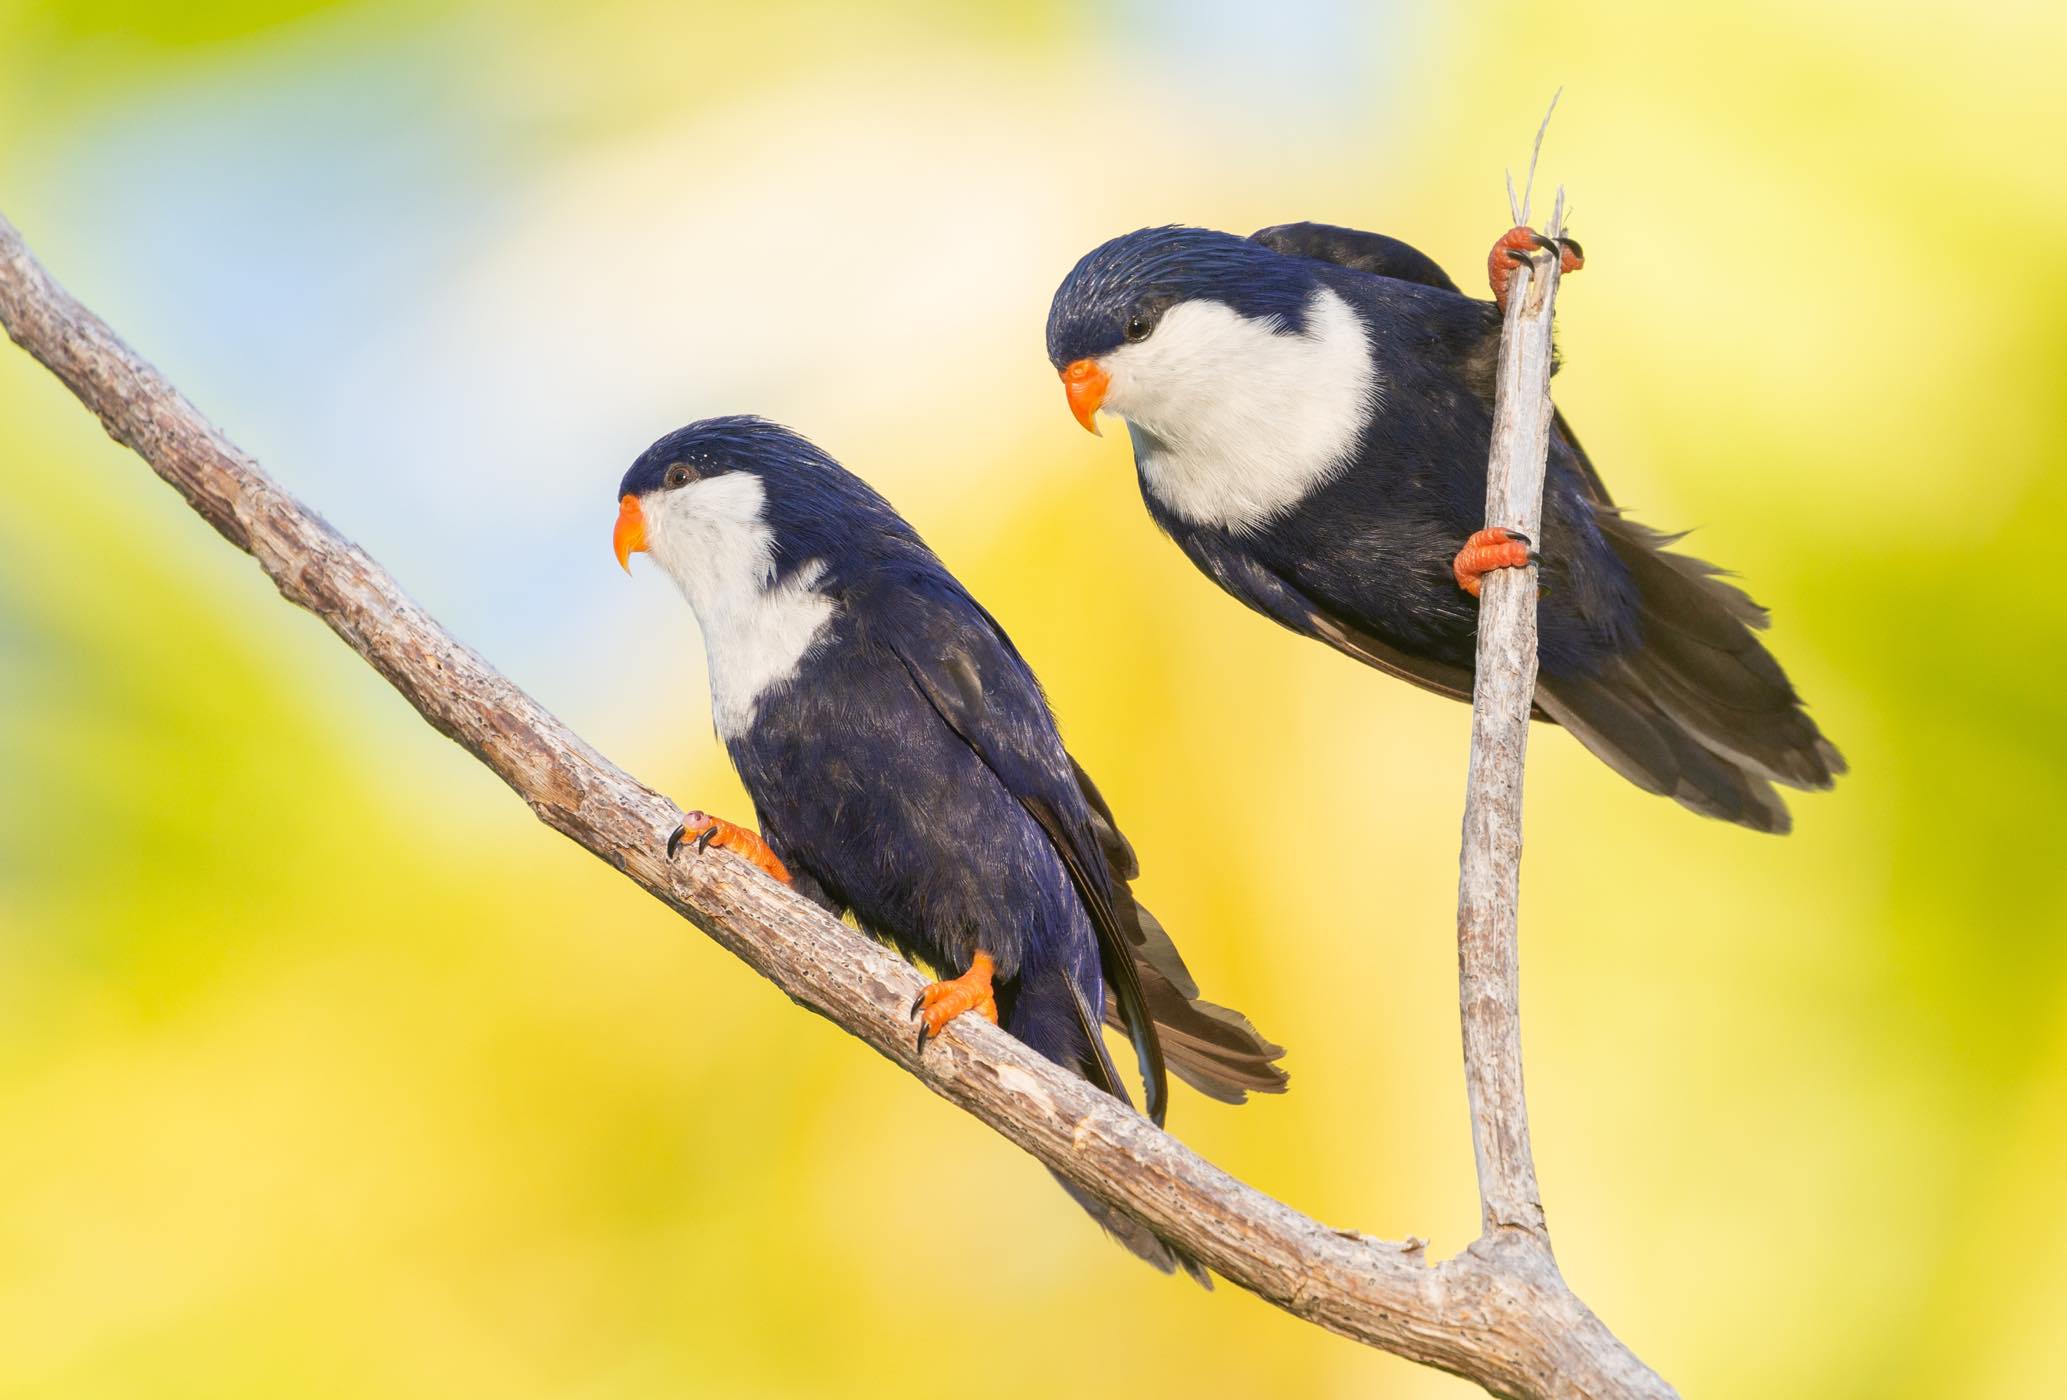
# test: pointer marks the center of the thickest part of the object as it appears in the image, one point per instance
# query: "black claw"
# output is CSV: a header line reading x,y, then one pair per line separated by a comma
x,y
674,842
917,1002
1548,245
1572,244
1520,537
703,839
1515,255
920,1047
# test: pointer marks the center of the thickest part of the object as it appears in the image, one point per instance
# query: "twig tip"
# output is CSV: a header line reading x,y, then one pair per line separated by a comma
x,y
1535,151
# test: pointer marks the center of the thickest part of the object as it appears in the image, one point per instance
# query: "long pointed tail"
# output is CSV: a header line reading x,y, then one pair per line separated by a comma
x,y
1702,712
1213,1048
1046,1012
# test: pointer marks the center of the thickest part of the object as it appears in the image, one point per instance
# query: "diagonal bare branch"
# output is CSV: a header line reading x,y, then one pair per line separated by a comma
x,y
1508,1324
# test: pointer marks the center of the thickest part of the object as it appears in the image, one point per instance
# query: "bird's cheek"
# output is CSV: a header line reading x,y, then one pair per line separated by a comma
x,y
1084,383
629,537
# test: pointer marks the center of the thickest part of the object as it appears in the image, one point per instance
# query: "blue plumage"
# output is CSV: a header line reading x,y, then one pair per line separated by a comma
x,y
907,769
1144,273
1645,654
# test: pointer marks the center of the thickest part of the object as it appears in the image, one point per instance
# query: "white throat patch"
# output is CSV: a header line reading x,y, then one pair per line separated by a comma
x,y
1236,419
710,538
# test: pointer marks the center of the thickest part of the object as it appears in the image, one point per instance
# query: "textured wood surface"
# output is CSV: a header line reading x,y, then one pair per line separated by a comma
x,y
1489,871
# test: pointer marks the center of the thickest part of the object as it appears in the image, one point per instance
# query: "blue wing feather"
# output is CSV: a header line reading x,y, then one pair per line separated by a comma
x,y
975,678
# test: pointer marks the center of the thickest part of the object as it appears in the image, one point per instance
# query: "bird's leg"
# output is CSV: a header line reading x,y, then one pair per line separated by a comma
x,y
1514,247
707,831
1490,549
941,1002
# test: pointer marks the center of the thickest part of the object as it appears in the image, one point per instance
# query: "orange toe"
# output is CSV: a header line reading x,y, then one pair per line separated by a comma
x,y
941,1002
705,831
1514,247
1487,550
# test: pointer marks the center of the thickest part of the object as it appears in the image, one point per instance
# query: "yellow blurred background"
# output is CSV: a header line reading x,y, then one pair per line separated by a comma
x,y
326,1071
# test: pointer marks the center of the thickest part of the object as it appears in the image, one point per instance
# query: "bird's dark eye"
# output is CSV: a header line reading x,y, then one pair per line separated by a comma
x,y
1147,315
678,475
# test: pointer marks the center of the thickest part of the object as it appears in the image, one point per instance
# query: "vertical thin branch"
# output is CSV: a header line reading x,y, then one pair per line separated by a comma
x,y
1489,875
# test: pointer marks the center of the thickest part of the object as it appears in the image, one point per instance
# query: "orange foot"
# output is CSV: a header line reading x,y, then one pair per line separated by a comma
x,y
1514,248
1490,549
707,831
943,1001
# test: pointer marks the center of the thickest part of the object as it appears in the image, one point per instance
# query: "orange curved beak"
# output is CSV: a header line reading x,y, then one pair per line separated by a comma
x,y
1085,384
629,537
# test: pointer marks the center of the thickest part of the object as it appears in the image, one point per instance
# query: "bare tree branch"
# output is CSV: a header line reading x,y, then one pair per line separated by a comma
x,y
1517,1331
1489,871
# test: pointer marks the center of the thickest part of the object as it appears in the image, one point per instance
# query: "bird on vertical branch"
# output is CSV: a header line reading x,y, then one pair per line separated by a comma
x,y
1311,413
904,767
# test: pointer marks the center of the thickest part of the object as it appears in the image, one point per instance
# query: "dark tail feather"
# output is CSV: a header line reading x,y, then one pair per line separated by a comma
x,y
1209,1047
1046,1012
1212,1048
1702,712
1143,1242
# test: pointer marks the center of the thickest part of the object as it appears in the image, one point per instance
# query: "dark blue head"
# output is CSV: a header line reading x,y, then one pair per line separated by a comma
x,y
1120,291
738,503
712,447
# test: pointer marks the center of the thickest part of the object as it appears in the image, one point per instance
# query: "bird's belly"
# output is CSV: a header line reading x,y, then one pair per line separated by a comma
x,y
903,826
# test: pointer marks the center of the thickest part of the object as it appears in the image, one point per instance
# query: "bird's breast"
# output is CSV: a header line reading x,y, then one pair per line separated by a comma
x,y
758,644
1243,434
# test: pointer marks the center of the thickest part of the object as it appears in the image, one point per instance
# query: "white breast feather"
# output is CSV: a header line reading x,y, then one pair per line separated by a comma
x,y
710,538
1241,420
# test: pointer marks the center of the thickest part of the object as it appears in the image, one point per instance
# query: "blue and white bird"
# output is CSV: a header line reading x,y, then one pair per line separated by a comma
x,y
1311,410
904,766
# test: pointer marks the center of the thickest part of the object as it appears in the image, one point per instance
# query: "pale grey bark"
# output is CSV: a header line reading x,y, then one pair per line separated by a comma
x,y
1489,872
1496,1316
